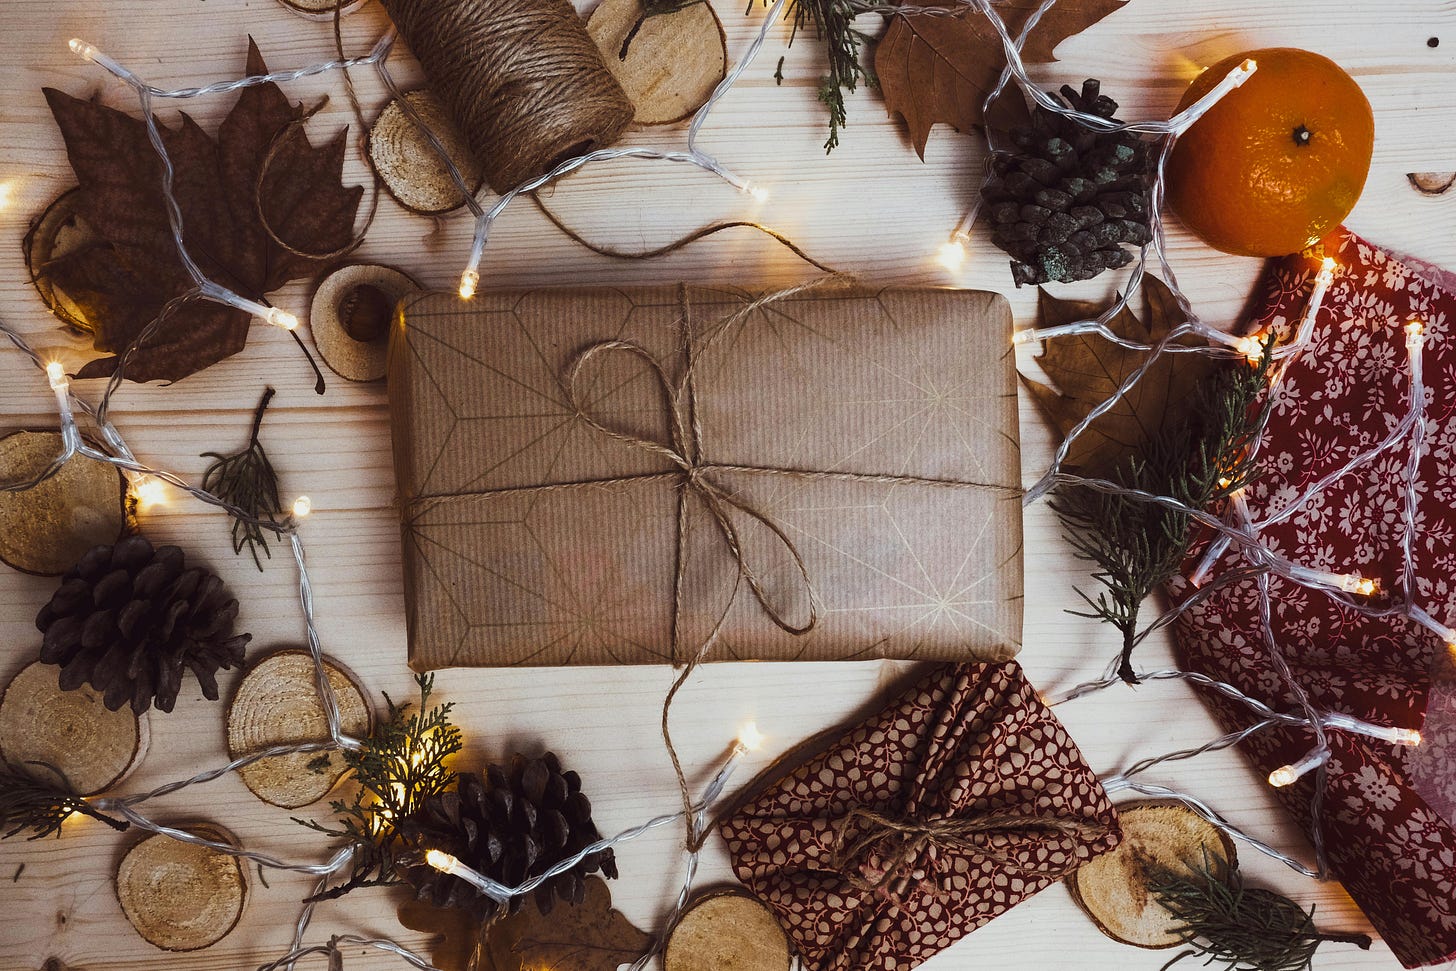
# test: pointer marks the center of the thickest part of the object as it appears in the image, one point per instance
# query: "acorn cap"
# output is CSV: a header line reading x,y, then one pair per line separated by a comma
x,y
69,732
350,317
45,530
179,896
277,703
672,62
1115,890
408,164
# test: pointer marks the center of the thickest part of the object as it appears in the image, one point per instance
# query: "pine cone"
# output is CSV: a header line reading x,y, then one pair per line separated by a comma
x,y
1067,201
510,827
128,618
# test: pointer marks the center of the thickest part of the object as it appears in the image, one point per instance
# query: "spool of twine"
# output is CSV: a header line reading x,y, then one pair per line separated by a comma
x,y
522,79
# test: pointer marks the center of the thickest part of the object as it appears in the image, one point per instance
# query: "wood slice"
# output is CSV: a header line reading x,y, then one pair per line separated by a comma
x,y
45,530
1157,837
182,897
70,731
673,63
321,9
277,703
356,355
410,167
55,233
727,931
1431,183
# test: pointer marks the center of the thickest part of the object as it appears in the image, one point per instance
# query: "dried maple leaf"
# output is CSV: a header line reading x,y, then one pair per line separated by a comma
x,y
940,68
1086,370
455,932
589,936
123,280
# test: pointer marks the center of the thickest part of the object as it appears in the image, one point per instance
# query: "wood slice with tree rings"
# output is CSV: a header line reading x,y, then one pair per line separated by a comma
x,y
408,164
182,897
56,232
1115,890
1431,183
350,317
321,9
727,930
277,703
45,530
673,61
69,732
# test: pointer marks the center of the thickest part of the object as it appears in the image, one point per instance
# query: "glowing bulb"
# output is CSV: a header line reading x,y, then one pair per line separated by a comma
x,y
750,737
1224,482
1281,777
56,372
443,862
1327,265
302,506
469,280
952,255
82,49
1249,66
281,318
758,192
148,492
1252,347
1407,736
1364,586
1415,334
7,190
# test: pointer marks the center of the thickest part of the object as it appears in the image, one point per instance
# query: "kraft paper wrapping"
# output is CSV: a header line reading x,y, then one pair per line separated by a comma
x,y
572,492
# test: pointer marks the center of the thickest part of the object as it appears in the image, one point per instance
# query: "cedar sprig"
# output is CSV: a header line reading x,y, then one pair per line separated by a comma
x,y
246,480
833,23
402,763
1201,460
28,801
1219,919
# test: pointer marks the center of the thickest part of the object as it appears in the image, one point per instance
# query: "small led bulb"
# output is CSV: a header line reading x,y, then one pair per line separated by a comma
x,y
443,862
469,280
1251,347
7,190
82,49
1327,265
1407,736
758,192
1365,587
302,506
279,317
149,491
56,372
1283,776
750,737
952,255
1415,334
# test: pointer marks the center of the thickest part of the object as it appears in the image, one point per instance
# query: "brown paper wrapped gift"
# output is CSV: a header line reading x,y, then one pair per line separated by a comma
x,y
624,476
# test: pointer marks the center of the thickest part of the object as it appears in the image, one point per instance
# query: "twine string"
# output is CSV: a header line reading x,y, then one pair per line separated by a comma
x,y
885,849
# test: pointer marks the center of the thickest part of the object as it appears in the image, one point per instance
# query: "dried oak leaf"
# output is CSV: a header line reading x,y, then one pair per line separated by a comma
x,y
123,280
589,936
454,931
1086,370
940,68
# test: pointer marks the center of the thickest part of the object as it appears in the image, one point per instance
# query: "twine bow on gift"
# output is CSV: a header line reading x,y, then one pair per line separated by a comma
x,y
886,848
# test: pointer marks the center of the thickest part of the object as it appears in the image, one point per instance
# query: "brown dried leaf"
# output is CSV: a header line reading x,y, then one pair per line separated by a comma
x,y
589,936
123,281
455,932
1087,370
940,68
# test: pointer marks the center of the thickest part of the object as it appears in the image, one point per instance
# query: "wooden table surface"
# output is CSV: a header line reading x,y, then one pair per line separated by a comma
x,y
870,207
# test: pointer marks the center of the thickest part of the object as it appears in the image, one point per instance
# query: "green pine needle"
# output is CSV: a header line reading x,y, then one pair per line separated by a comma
x,y
246,480
28,801
1138,545
1248,930
401,764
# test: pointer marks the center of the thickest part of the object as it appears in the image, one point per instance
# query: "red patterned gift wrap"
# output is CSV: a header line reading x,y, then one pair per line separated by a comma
x,y
958,800
1384,813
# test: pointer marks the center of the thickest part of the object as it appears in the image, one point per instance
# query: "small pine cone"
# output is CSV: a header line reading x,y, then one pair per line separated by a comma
x,y
1069,198
129,618
509,826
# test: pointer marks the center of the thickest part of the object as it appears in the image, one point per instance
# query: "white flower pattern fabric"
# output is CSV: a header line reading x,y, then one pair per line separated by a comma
x,y
1392,849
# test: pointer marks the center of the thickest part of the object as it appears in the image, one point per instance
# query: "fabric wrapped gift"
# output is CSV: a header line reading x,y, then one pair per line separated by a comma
x,y
1385,816
623,476
958,800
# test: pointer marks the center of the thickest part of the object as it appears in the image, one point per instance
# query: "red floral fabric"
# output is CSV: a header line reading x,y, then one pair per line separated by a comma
x,y
1392,848
967,741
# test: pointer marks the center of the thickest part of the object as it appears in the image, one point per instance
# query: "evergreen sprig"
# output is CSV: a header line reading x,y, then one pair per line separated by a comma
x,y
1246,929
28,801
1138,545
246,480
833,23
403,762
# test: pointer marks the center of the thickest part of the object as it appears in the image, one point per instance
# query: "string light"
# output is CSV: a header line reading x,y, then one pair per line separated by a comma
x,y
750,737
7,191
149,491
1287,775
757,192
302,506
469,280
952,253
1415,335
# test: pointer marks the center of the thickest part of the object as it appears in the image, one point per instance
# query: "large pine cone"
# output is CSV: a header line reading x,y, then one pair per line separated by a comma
x,y
129,618
1067,201
510,826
